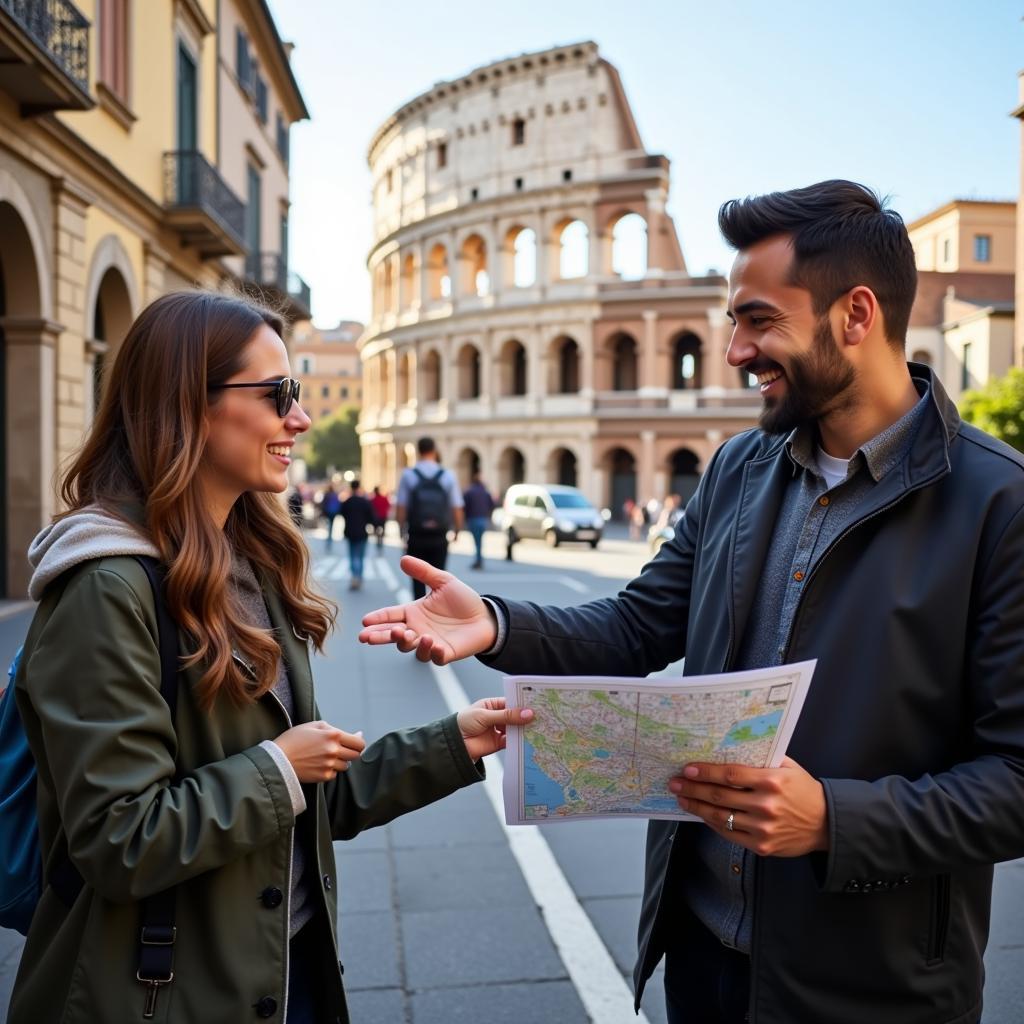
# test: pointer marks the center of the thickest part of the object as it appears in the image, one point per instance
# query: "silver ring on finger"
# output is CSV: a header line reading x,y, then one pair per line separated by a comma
x,y
730,822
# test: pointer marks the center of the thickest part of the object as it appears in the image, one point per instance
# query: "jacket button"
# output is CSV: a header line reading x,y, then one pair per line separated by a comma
x,y
327,882
266,1007
271,897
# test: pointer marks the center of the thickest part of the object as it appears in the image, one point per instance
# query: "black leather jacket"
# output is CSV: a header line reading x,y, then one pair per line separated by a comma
x,y
914,722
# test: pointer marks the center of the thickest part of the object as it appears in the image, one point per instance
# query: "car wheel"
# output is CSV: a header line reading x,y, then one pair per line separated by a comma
x,y
594,543
552,538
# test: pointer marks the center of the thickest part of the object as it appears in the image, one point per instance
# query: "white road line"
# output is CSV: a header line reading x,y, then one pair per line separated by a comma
x,y
601,988
338,572
387,574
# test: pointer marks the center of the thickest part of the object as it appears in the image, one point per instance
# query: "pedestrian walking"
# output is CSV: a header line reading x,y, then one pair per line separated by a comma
x,y
357,512
864,525
381,509
190,871
428,505
479,504
330,506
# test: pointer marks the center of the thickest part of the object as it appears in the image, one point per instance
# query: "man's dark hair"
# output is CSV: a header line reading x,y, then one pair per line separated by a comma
x,y
843,236
425,445
355,485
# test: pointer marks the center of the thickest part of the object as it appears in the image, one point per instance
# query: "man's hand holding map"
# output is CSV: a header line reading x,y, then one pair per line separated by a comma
x,y
607,747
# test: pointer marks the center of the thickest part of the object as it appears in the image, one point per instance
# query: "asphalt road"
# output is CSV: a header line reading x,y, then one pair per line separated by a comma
x,y
447,916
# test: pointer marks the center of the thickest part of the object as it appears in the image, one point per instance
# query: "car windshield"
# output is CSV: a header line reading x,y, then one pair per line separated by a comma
x,y
569,500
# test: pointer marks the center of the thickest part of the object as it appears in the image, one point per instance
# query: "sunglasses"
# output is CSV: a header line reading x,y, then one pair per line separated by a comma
x,y
285,391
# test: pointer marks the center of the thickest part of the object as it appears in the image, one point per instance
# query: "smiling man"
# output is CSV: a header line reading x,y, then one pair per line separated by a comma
x,y
863,525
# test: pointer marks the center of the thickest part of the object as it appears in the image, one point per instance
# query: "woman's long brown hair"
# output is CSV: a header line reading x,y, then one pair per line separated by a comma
x,y
144,450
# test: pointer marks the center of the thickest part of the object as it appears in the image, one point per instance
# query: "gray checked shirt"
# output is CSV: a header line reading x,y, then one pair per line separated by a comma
x,y
719,885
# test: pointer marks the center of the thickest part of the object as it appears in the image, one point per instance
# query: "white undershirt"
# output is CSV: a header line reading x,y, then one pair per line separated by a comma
x,y
832,469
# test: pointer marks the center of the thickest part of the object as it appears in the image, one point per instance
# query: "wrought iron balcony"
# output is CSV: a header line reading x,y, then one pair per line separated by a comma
x,y
44,55
201,206
269,272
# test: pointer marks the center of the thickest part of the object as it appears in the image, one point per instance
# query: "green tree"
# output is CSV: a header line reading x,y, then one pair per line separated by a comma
x,y
334,444
998,408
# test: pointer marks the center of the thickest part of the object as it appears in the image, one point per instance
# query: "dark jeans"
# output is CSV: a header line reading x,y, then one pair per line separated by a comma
x,y
431,549
705,982
303,981
478,527
356,556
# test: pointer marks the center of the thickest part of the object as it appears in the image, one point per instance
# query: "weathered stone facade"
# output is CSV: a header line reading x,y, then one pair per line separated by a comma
x,y
532,310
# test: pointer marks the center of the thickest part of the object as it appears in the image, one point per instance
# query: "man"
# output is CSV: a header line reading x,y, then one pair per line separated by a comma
x,y
428,505
478,508
357,512
866,526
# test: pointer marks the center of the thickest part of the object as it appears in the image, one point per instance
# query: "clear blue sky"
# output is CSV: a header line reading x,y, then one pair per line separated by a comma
x,y
908,96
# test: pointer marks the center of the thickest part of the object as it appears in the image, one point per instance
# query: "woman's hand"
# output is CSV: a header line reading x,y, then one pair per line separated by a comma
x,y
317,751
483,725
451,622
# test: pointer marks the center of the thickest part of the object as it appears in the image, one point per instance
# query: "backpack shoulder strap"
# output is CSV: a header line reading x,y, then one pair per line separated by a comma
x,y
167,631
423,477
156,938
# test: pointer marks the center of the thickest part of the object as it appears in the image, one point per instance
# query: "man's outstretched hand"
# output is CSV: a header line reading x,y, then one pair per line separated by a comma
x,y
450,623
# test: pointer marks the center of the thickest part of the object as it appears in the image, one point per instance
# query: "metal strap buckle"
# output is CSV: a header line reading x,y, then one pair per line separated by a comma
x,y
156,941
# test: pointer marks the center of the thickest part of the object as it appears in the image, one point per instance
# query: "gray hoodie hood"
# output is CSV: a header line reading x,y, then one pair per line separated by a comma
x,y
90,533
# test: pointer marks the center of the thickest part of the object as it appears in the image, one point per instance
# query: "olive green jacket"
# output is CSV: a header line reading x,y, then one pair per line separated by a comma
x,y
88,691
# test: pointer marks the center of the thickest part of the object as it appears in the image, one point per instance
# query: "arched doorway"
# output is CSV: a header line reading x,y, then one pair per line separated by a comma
x,y
466,465
567,366
23,369
684,473
621,468
624,363
111,318
468,365
511,469
562,468
432,377
686,362
512,369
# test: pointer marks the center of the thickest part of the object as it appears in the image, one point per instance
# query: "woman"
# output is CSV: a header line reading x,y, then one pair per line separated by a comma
x,y
234,804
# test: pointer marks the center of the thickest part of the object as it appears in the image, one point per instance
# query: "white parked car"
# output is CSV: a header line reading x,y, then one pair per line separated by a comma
x,y
550,512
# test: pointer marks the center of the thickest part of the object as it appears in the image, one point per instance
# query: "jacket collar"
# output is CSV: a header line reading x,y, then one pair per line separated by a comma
x,y
766,477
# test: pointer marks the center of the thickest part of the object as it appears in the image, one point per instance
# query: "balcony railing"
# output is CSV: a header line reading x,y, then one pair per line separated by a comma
x,y
58,32
202,205
270,270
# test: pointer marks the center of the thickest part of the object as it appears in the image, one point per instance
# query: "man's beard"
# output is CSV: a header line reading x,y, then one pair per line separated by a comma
x,y
814,382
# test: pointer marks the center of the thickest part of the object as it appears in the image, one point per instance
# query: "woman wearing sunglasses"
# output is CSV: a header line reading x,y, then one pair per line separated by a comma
x,y
227,811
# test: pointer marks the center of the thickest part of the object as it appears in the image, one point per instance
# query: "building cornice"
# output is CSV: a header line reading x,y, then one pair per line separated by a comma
x,y
274,47
484,77
956,204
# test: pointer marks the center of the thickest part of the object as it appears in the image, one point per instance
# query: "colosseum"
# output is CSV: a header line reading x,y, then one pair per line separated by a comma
x,y
532,310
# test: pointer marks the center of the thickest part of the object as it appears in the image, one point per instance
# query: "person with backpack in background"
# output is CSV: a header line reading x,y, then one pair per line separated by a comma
x,y
188,852
330,506
428,505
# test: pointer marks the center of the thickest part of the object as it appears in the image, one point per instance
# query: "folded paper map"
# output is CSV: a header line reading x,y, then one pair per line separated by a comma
x,y
606,747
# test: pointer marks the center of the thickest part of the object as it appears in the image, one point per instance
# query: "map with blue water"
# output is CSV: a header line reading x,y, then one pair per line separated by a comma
x,y
608,747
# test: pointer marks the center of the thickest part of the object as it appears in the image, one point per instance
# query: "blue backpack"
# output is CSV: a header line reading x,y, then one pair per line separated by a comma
x,y
21,861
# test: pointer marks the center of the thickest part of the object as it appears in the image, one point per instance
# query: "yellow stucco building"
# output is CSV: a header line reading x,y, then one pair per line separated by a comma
x,y
143,148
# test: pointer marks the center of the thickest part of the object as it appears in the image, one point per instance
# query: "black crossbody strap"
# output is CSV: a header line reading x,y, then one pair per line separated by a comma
x,y
157,935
